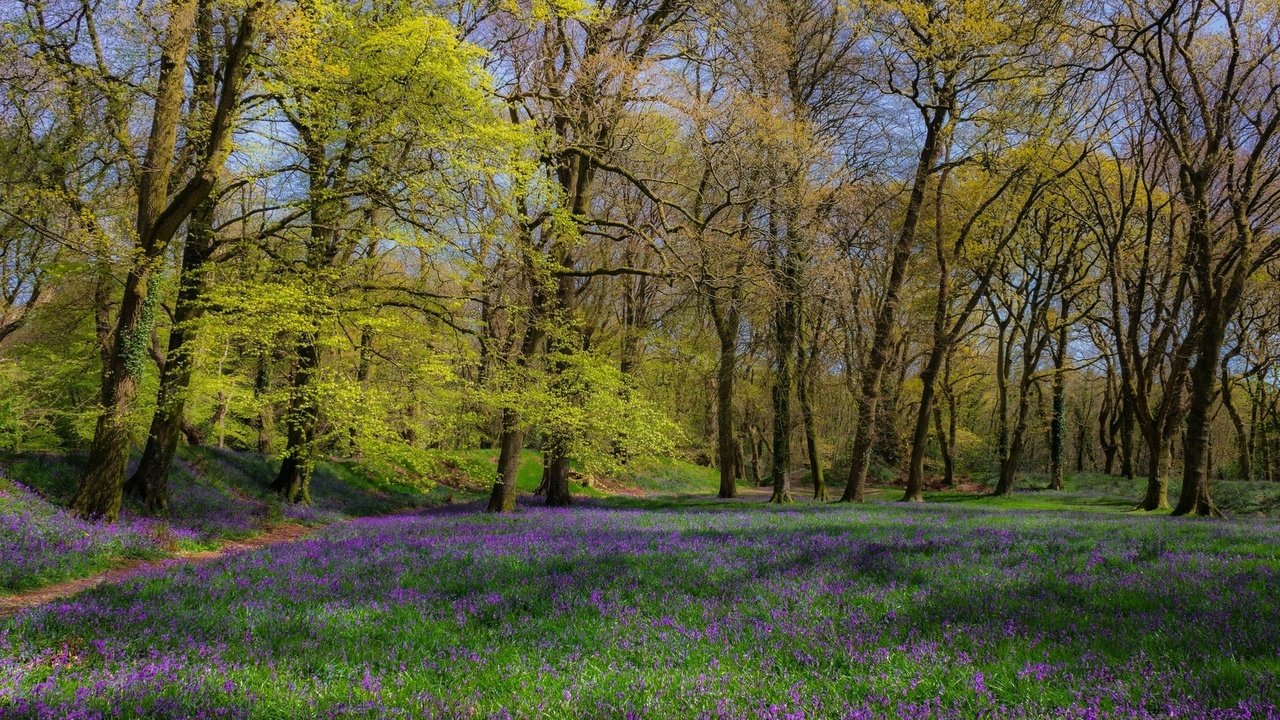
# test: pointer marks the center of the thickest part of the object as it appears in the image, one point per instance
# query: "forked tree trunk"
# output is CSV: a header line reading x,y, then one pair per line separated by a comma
x,y
161,210
101,487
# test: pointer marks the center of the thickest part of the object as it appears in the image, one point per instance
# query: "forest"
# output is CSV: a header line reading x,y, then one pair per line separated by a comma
x,y
383,358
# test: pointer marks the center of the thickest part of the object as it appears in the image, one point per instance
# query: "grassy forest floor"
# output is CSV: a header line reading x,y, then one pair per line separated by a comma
x,y
657,602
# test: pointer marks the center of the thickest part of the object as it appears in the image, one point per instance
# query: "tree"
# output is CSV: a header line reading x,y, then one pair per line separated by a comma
x,y
160,212
1209,92
943,60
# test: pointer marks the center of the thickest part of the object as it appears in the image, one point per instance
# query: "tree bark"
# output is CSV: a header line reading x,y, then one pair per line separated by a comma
x,y
726,447
756,479
293,481
805,397
265,421
149,481
558,480
920,436
1058,424
160,213
1194,498
1245,459
502,497
784,337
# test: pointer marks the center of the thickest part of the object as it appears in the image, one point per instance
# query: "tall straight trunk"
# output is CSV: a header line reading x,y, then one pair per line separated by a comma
x,y
556,471
1058,424
1003,365
756,478
726,447
784,339
293,481
920,436
886,314
805,396
502,497
265,422
1244,457
1082,440
150,481
945,448
1128,430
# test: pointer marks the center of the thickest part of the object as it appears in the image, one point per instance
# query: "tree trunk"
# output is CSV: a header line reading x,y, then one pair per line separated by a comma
x,y
1058,424
100,493
756,479
946,448
1194,498
1237,422
811,439
1012,461
265,421
786,321
150,481
1082,439
502,497
920,436
101,489
293,481
726,448
886,314
1158,461
557,477
1128,450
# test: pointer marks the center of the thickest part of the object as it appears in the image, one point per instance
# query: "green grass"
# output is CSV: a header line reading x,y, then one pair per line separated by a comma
x,y
669,476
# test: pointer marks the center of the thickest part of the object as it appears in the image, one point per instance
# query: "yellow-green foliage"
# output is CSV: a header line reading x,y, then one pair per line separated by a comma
x,y
591,407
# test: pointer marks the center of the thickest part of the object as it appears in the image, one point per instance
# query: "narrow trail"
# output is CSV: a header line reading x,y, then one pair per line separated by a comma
x,y
277,535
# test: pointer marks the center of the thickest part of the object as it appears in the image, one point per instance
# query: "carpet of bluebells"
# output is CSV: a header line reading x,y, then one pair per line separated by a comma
x,y
214,496
40,542
666,611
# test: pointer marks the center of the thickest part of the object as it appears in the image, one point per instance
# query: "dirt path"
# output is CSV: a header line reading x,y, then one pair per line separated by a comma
x,y
277,535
